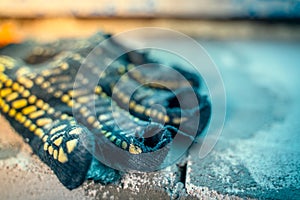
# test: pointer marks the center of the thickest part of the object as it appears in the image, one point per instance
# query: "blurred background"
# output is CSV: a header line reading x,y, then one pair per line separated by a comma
x,y
226,19
255,45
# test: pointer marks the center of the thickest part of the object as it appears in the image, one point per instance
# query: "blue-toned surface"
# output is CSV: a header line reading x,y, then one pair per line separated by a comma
x,y
258,154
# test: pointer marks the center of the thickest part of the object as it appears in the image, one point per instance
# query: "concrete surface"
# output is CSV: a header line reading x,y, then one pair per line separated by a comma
x,y
257,156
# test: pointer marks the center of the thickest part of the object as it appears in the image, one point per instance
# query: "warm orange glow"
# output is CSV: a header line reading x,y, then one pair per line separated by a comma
x,y
8,34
